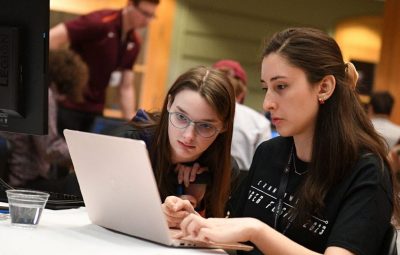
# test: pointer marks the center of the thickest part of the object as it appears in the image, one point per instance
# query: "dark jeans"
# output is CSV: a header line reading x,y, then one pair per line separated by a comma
x,y
75,120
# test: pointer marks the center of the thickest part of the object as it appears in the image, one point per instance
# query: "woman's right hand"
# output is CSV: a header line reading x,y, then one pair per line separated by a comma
x,y
176,209
220,230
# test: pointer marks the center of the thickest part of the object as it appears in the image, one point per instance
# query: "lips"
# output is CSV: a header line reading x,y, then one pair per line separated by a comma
x,y
187,146
276,121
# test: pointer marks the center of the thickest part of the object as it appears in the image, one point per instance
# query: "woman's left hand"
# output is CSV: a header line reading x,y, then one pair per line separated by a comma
x,y
187,174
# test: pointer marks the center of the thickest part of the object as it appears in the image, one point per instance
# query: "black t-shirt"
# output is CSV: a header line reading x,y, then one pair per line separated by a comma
x,y
357,210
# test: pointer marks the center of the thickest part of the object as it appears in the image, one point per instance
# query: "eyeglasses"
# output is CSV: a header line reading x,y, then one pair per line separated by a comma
x,y
145,13
181,121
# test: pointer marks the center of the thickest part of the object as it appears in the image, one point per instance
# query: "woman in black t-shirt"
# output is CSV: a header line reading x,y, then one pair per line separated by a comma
x,y
324,186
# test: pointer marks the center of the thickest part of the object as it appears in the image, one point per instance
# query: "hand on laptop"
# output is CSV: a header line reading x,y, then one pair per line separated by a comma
x,y
187,174
219,230
176,209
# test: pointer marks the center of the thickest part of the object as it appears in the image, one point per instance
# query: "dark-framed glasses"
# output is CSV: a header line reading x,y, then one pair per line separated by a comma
x,y
145,13
181,121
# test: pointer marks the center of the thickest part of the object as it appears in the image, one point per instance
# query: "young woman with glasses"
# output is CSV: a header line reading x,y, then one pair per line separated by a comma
x,y
193,130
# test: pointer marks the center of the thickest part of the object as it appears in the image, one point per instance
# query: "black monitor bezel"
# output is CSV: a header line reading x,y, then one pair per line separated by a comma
x,y
31,18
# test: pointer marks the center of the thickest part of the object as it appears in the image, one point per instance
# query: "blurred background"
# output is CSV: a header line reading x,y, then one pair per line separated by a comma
x,y
189,33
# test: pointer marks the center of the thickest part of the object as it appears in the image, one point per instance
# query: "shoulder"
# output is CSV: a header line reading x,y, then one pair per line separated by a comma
x,y
371,164
274,151
372,170
141,127
127,131
94,20
277,144
104,15
383,123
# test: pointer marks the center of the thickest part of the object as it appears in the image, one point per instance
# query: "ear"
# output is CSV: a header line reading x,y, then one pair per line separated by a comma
x,y
326,87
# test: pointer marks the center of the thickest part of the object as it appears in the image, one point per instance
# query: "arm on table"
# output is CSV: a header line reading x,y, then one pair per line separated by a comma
x,y
267,239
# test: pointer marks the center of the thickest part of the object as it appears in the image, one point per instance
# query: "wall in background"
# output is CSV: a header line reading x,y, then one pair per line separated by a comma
x,y
85,6
360,38
208,30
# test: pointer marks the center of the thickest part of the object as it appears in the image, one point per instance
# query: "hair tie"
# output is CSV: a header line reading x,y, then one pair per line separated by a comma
x,y
352,75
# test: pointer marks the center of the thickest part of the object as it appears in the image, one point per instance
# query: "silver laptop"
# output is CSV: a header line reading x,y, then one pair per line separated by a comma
x,y
119,189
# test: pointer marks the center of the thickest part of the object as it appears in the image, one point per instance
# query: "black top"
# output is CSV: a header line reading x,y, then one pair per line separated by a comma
x,y
357,210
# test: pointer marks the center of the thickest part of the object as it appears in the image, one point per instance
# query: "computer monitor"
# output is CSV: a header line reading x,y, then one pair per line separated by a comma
x,y
24,30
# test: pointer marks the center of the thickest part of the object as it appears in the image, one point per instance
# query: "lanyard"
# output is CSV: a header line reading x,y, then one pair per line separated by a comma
x,y
281,193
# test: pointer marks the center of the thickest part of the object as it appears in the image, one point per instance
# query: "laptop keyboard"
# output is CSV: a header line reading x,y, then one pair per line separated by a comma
x,y
56,200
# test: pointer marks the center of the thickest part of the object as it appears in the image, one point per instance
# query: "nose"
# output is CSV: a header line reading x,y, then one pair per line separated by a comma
x,y
189,133
268,103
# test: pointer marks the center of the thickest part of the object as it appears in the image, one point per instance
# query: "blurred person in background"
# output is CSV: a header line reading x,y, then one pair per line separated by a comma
x,y
32,157
108,42
394,159
250,128
380,109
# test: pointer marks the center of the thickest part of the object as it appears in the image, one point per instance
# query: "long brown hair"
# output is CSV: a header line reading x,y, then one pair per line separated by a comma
x,y
217,91
342,129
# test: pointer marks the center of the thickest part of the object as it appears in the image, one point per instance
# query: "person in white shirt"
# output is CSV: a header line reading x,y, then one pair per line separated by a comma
x,y
250,127
381,105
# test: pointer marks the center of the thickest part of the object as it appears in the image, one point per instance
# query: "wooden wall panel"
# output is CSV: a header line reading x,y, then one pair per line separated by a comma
x,y
157,57
208,30
388,69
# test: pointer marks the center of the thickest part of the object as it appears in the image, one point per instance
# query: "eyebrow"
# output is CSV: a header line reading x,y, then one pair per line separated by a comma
x,y
274,78
203,120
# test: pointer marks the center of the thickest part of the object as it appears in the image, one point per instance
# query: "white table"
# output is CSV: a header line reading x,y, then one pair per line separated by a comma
x,y
70,232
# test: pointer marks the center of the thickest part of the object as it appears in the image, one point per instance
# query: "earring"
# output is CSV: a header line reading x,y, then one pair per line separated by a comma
x,y
321,100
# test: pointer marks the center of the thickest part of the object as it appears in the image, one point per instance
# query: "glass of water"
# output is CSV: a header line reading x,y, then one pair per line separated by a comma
x,y
26,206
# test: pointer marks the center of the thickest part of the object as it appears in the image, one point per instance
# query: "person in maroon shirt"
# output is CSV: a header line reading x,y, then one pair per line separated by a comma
x,y
107,41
